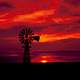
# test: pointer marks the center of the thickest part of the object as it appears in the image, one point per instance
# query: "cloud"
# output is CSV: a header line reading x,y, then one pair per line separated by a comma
x,y
58,36
34,15
45,16
5,6
48,37
37,17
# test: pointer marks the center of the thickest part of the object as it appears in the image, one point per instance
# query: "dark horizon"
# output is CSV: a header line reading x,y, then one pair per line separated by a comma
x,y
42,57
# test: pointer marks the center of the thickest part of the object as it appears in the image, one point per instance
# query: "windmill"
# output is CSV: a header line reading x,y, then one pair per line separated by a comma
x,y
26,37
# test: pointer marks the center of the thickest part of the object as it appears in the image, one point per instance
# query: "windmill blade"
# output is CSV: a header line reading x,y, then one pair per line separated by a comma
x,y
20,35
29,30
26,30
22,32
21,40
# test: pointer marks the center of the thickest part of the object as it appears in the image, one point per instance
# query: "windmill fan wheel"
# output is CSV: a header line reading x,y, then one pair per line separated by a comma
x,y
25,36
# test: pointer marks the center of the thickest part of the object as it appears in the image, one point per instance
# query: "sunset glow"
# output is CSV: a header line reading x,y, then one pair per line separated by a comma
x,y
59,36
56,22
44,61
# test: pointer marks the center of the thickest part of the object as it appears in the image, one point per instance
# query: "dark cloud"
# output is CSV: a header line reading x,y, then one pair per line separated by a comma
x,y
73,2
5,7
66,44
70,7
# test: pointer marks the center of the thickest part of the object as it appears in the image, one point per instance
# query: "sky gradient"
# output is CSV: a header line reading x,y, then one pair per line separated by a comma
x,y
56,21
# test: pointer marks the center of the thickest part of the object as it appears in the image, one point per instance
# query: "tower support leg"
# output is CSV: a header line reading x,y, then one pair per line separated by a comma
x,y
26,57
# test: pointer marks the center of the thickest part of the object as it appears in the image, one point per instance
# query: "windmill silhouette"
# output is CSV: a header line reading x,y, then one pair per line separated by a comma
x,y
26,37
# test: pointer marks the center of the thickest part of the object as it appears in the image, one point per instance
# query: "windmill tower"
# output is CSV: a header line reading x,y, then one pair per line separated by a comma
x,y
26,37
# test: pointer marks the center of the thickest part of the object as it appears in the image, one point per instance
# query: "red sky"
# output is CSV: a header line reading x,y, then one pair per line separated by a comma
x,y
54,20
